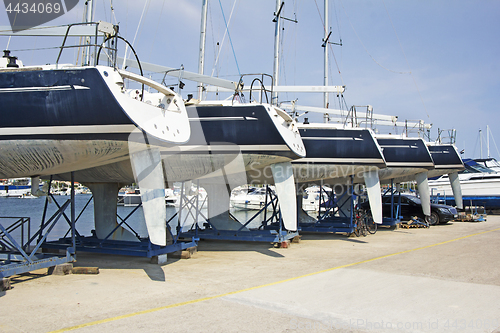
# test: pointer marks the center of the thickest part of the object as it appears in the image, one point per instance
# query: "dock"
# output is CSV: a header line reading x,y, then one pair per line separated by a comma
x,y
405,280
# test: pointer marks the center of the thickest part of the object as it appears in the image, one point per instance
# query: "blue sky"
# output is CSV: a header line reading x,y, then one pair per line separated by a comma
x,y
452,49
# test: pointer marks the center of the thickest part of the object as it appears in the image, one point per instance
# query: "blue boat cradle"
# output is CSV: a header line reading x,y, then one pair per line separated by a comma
x,y
20,247
141,248
271,228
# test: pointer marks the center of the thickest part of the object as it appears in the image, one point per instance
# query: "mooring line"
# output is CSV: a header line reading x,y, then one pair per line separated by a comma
x,y
102,321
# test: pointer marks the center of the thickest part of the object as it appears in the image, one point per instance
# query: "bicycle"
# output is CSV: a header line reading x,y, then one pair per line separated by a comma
x,y
370,224
364,224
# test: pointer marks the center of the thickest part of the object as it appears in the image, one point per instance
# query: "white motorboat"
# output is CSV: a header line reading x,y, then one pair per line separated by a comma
x,y
490,163
251,198
480,186
15,188
311,200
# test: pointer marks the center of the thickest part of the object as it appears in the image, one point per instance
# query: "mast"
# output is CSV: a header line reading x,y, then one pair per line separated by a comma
x,y
203,37
88,19
279,6
480,144
488,140
325,81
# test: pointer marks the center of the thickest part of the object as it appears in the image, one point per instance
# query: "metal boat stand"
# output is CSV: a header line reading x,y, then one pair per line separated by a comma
x,y
336,218
395,207
142,247
271,228
20,250
191,206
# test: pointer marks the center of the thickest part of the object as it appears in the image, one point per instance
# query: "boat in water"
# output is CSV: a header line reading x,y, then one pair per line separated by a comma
x,y
15,188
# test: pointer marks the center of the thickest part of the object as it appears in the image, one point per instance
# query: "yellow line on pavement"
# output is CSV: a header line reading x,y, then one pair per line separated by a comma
x,y
102,321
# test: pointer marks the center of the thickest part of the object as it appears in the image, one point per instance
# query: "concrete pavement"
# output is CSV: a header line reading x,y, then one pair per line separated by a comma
x,y
446,278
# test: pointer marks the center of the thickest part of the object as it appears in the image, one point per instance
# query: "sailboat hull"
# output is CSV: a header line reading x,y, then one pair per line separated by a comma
x,y
62,120
336,153
241,140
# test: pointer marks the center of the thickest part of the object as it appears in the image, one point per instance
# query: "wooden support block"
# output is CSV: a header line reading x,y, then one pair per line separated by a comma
x,y
283,245
186,254
297,239
85,270
192,249
5,284
62,269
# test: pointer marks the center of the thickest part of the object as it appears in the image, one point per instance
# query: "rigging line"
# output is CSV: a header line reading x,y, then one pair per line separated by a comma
x,y
295,29
80,41
328,44
295,60
282,56
475,146
126,19
214,44
142,26
113,14
39,27
156,31
37,48
492,138
366,50
498,153
337,19
401,46
228,34
282,69
33,53
8,42
336,64
104,10
331,47
216,62
146,4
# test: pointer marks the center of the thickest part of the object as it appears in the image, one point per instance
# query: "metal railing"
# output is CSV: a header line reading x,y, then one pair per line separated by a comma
x,y
88,46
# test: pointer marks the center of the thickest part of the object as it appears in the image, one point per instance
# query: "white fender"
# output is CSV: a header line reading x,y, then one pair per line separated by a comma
x,y
372,183
457,189
285,189
148,173
424,191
